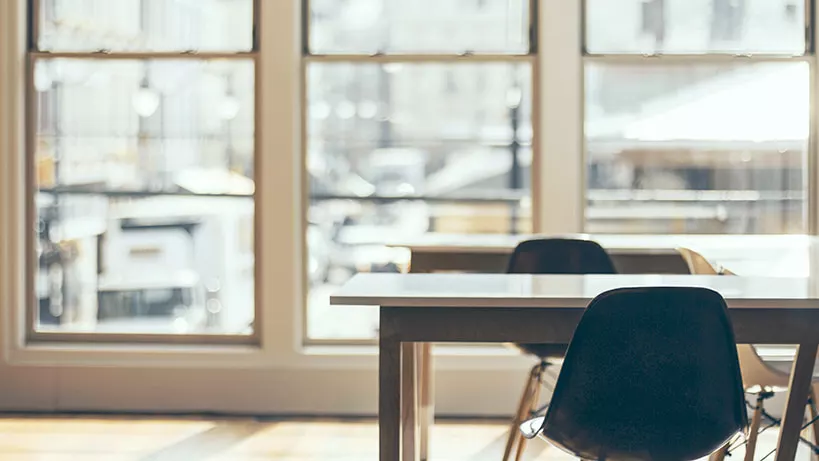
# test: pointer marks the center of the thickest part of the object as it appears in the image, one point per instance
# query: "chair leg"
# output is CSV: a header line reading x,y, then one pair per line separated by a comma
x,y
520,415
753,433
531,407
812,406
719,455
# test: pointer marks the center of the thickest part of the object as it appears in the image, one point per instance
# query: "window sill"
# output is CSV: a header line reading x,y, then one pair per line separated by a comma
x,y
361,358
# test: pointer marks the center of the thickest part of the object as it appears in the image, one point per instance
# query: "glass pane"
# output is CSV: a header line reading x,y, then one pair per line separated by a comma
x,y
696,26
146,25
420,131
345,237
419,26
697,149
127,242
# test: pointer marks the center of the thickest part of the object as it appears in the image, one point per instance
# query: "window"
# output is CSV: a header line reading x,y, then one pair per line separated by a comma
x,y
143,168
418,120
758,27
695,139
365,27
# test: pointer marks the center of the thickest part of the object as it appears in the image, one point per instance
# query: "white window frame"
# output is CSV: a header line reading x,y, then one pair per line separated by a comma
x,y
560,163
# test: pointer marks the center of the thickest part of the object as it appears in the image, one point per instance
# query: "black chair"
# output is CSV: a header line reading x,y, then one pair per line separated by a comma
x,y
548,256
650,374
560,256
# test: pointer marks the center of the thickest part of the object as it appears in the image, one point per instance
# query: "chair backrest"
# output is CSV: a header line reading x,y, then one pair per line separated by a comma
x,y
560,256
698,265
756,374
651,373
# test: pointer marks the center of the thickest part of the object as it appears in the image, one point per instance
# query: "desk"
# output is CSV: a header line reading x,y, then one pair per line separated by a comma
x,y
427,308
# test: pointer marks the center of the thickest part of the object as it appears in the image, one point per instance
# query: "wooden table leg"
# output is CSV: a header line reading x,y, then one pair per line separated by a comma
x,y
801,376
409,402
427,397
389,399
426,385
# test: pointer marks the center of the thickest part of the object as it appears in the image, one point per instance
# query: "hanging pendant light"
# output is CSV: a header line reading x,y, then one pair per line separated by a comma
x,y
145,100
42,78
229,108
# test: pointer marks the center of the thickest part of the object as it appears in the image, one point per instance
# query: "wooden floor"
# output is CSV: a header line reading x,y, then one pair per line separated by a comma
x,y
188,439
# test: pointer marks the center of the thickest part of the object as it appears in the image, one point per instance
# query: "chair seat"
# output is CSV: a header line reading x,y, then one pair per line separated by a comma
x,y
545,351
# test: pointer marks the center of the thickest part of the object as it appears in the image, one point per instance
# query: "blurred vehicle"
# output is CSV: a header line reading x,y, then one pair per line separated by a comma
x,y
173,303
204,245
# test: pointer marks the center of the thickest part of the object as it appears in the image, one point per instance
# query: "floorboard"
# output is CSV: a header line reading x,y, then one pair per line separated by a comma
x,y
89,438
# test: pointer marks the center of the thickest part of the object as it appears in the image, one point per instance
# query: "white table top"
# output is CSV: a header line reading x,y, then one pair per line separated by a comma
x,y
746,255
503,243
564,291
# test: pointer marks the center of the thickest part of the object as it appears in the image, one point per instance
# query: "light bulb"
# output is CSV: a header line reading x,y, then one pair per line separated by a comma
x,y
514,97
146,102
230,108
42,79
320,110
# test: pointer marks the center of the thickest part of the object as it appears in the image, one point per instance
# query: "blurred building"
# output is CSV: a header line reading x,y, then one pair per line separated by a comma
x,y
460,114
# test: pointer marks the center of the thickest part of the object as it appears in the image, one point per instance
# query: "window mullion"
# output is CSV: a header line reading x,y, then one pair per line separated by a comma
x,y
713,58
153,55
558,124
418,58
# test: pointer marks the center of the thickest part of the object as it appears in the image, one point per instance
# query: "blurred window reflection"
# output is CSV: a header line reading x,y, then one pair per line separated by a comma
x,y
417,145
705,143
144,159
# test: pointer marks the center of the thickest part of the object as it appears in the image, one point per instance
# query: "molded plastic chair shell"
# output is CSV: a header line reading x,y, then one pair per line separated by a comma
x,y
757,375
558,256
650,374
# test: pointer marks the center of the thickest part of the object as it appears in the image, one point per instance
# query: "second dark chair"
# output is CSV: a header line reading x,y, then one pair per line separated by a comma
x,y
549,256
